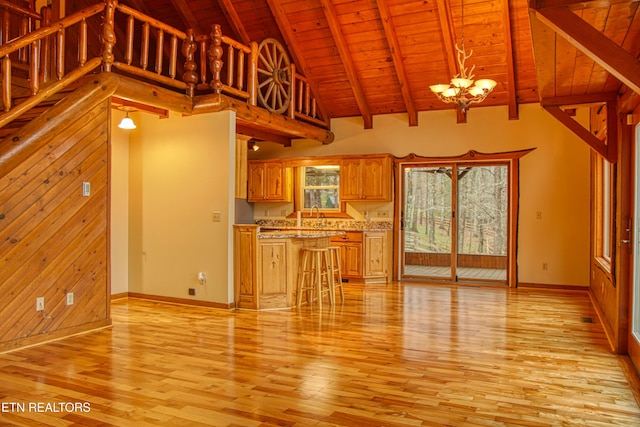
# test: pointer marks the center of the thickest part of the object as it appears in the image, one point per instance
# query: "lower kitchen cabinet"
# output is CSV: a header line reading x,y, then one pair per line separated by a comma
x,y
365,255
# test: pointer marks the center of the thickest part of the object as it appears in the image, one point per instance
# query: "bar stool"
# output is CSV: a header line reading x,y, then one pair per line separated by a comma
x,y
336,270
315,274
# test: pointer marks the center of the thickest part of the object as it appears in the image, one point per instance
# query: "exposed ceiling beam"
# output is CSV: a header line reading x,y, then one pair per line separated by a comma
x,y
575,4
511,68
187,16
398,62
544,46
449,40
234,20
243,129
580,100
128,105
295,51
345,56
593,43
564,118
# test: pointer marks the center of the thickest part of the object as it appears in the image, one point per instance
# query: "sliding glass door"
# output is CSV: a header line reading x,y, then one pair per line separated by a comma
x,y
455,222
427,222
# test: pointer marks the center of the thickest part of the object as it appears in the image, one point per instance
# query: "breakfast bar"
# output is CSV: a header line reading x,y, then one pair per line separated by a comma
x,y
266,263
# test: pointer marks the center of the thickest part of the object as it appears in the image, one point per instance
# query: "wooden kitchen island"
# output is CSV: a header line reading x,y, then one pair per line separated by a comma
x,y
266,264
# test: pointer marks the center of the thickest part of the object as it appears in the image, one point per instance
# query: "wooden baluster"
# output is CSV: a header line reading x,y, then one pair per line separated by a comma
x,y
292,103
159,50
173,59
190,75
82,43
34,78
253,74
24,30
307,95
60,42
6,83
203,61
45,52
314,108
241,56
215,59
144,51
108,35
128,55
230,65
300,96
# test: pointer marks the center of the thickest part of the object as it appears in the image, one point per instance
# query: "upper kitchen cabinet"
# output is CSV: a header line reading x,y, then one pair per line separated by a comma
x,y
366,178
269,181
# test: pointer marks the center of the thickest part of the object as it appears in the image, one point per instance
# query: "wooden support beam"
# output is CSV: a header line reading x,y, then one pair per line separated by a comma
x,y
246,129
234,20
511,68
398,62
187,16
594,142
260,117
592,43
343,50
295,51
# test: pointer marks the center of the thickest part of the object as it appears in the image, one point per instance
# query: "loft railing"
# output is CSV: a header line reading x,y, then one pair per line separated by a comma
x,y
259,73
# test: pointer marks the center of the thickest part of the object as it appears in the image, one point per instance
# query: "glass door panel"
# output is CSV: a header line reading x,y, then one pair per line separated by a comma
x,y
482,222
428,228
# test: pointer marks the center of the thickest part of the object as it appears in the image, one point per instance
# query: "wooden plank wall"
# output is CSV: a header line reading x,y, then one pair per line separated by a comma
x,y
52,239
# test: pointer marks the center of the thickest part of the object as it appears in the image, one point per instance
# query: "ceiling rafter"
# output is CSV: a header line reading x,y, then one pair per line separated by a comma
x,y
295,51
449,40
187,16
338,38
234,20
511,68
398,62
592,43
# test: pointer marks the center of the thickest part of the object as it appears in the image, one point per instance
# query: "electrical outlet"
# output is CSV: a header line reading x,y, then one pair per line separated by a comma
x,y
216,216
69,298
40,304
192,291
383,214
545,266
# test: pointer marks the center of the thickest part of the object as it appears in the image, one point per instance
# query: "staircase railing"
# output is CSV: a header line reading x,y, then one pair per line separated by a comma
x,y
212,63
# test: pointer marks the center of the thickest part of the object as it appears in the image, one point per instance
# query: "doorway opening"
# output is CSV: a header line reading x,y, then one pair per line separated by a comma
x,y
458,218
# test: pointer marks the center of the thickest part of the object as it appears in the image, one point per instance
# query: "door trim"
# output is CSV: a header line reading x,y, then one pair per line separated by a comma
x,y
472,156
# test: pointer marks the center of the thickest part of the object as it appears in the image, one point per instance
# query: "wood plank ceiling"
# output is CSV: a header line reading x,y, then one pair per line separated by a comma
x,y
371,57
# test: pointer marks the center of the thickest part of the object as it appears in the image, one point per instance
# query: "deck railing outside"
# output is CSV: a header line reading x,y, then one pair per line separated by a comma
x,y
211,63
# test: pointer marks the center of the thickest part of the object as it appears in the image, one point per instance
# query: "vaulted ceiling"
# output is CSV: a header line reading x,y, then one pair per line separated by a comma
x,y
371,57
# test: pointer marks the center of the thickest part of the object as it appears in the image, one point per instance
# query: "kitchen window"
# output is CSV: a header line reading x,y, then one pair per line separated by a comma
x,y
320,187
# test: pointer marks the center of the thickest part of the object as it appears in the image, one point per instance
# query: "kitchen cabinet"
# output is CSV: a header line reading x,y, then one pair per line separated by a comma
x,y
350,245
366,178
266,265
269,181
365,255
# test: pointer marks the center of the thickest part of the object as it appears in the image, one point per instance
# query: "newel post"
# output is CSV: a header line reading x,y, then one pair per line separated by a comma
x,y
190,75
108,34
215,59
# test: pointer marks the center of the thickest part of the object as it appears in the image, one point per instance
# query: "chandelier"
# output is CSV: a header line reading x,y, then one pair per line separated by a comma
x,y
462,91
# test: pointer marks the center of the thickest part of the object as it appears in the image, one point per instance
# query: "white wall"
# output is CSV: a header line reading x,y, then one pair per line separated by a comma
x,y
119,205
181,170
554,178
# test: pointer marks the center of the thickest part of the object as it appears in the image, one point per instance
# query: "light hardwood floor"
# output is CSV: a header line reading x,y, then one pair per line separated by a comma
x,y
392,355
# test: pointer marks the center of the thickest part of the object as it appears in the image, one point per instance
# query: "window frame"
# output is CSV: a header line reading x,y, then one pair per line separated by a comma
x,y
604,210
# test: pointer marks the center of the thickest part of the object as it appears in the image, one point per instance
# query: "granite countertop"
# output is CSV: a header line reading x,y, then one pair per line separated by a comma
x,y
297,233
